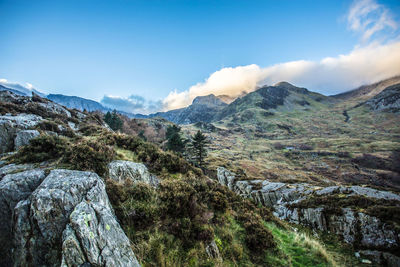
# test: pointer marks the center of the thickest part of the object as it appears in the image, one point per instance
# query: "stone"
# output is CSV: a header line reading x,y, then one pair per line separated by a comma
x,y
55,108
13,168
213,251
23,137
366,230
10,125
122,170
13,189
68,221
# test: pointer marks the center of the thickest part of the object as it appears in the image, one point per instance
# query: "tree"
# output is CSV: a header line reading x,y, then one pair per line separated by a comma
x,y
113,120
174,139
199,146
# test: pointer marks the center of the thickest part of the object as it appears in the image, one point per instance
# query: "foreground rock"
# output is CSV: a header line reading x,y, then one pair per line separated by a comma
x,y
121,170
355,226
64,219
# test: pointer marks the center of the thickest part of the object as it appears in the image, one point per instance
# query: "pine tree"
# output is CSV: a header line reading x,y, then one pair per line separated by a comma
x,y
113,120
199,144
174,139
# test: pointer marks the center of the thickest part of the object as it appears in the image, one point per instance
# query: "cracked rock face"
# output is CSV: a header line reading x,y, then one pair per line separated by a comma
x,y
23,137
62,219
121,170
10,125
355,227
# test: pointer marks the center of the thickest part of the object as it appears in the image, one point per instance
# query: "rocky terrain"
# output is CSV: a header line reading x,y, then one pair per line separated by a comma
x,y
287,183
303,204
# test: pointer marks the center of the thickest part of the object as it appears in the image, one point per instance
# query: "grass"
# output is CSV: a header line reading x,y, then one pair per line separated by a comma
x,y
298,249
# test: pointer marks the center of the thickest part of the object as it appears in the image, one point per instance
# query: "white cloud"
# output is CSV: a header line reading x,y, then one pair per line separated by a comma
x,y
367,63
330,75
368,18
227,81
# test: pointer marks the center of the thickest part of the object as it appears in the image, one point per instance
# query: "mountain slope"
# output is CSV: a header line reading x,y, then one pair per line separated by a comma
x,y
203,108
365,92
78,103
280,97
387,100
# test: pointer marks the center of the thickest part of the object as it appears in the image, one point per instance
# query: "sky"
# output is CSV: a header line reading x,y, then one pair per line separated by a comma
x,y
147,56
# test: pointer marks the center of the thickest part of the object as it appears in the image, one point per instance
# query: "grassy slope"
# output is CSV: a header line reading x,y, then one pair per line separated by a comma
x,y
323,128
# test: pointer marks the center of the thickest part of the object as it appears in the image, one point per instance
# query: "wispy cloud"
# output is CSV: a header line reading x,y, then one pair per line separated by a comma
x,y
132,104
368,18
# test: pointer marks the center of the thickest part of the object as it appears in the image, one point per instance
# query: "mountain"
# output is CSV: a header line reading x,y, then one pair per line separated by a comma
x,y
19,89
203,108
387,100
365,92
282,96
78,103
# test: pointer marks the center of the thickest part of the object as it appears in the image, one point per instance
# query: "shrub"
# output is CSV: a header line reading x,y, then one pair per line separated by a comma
x,y
89,155
42,148
135,204
90,129
258,237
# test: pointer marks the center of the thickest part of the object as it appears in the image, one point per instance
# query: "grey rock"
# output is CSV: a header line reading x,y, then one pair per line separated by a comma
x,y
55,108
68,221
213,251
23,137
387,100
14,168
354,227
121,170
10,125
13,189
225,177
382,258
73,126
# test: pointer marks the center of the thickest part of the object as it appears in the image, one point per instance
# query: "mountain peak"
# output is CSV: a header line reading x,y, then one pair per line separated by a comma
x,y
284,84
209,100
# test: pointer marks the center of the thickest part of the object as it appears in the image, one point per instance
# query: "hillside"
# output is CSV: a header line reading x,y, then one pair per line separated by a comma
x,y
120,193
269,181
365,92
203,108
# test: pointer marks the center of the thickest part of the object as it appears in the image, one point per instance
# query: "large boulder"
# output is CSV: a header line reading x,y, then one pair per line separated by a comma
x,y
10,125
23,137
64,219
122,170
13,189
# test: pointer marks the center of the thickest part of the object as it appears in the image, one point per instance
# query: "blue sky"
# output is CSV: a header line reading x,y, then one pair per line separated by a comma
x,y
151,48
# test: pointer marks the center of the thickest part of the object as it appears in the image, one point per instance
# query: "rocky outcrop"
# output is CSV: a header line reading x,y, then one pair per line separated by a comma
x,y
64,219
13,189
10,125
354,226
23,137
387,100
14,168
122,170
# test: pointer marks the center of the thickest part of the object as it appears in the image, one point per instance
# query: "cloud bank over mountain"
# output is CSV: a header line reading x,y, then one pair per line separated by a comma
x,y
377,57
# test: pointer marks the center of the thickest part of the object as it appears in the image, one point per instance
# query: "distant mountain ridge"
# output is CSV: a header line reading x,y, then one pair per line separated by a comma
x,y
211,108
77,102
